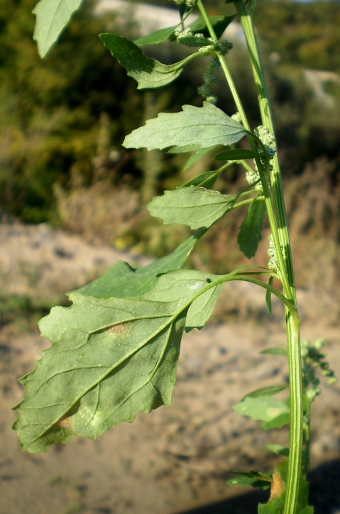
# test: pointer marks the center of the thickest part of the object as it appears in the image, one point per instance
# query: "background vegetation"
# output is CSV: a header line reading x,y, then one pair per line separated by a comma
x,y
63,119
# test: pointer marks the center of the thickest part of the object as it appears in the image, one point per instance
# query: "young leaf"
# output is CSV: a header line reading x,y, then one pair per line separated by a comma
x,y
278,449
250,233
248,482
270,390
122,281
269,297
236,154
206,180
202,126
275,351
156,37
182,284
219,23
148,73
194,158
52,17
278,422
110,358
193,206
262,408
251,478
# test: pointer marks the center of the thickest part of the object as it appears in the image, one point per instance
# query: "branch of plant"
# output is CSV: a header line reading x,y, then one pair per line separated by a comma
x,y
294,351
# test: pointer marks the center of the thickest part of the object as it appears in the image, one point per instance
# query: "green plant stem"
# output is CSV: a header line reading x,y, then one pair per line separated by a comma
x,y
264,180
293,329
245,202
267,120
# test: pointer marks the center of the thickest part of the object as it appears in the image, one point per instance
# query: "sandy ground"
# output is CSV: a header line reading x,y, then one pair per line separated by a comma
x,y
173,459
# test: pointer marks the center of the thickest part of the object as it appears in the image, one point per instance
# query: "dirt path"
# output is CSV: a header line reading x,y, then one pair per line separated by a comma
x,y
170,460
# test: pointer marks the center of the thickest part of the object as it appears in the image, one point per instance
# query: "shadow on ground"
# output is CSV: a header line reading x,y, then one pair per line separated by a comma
x,y
324,495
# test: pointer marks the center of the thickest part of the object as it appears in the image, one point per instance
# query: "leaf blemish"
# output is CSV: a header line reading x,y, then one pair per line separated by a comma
x,y
119,329
65,422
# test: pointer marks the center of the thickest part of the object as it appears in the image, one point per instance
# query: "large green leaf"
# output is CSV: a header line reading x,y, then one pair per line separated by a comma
x,y
110,358
202,126
250,233
122,281
52,16
149,73
263,408
193,206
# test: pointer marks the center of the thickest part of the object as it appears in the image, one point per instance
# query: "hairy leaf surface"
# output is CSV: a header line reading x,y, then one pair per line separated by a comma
x,y
193,206
52,17
202,126
122,281
250,233
149,73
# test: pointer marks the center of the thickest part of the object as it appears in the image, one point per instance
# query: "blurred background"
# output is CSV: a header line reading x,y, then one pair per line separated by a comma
x,y
72,202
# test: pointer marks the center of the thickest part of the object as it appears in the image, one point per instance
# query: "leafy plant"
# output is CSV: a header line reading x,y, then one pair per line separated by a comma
x,y
115,350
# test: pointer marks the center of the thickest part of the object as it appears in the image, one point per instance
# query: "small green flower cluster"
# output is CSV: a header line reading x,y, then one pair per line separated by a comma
x,y
273,262
313,359
253,177
209,80
189,3
237,117
268,140
182,33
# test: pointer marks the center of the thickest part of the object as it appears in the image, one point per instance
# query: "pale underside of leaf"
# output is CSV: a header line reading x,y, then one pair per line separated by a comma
x,y
110,359
193,206
52,17
202,126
